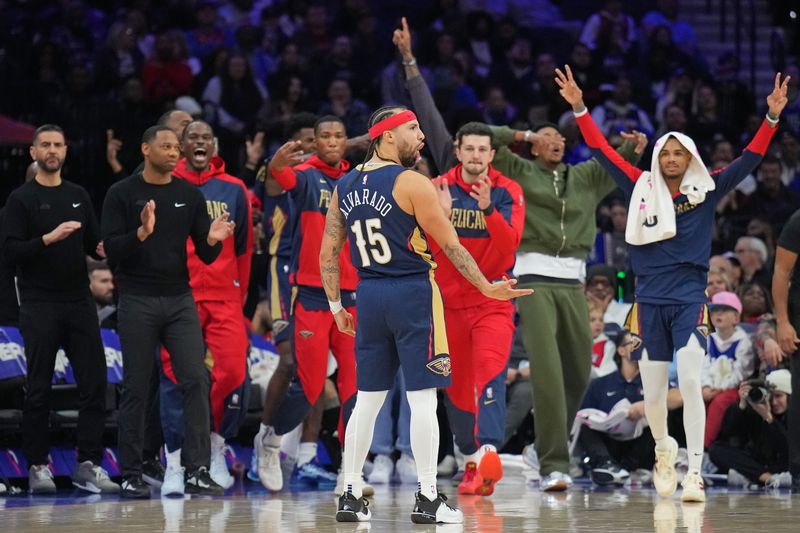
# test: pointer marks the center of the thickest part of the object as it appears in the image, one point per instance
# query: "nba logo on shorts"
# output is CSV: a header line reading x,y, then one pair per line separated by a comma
x,y
440,366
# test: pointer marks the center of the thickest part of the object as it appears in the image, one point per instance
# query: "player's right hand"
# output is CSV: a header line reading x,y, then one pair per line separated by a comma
x,y
345,322
62,231
287,155
504,290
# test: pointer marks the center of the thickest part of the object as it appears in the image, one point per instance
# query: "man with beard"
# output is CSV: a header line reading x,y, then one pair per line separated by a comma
x,y
219,291
310,185
558,233
386,211
101,285
49,228
156,305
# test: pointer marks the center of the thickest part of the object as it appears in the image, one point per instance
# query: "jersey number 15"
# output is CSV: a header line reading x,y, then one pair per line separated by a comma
x,y
378,245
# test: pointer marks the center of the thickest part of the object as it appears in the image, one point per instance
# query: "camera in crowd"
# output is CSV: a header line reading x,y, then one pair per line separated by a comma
x,y
760,390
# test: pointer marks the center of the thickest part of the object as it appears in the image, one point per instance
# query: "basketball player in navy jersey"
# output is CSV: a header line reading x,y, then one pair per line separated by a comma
x,y
385,210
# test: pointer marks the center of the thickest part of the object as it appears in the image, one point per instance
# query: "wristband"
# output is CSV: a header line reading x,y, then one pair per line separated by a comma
x,y
410,62
335,306
488,211
770,119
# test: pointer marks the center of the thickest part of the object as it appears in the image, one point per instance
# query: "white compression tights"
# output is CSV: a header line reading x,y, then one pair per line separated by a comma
x,y
655,380
358,437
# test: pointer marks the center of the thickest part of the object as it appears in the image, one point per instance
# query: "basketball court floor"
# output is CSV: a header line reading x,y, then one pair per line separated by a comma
x,y
515,506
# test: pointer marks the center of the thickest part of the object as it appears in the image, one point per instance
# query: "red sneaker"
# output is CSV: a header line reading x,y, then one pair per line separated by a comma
x,y
490,471
471,480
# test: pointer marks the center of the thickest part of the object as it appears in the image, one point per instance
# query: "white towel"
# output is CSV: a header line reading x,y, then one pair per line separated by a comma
x,y
651,214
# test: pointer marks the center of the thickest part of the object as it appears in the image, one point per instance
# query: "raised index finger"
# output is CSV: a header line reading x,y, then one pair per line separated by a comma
x,y
405,25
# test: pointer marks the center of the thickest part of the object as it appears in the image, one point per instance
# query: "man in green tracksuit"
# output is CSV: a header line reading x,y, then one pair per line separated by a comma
x,y
559,232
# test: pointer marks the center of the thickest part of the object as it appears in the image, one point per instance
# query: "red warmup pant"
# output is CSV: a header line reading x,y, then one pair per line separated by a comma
x,y
715,412
315,334
227,344
480,342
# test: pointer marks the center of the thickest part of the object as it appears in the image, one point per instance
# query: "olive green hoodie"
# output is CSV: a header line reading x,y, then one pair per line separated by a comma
x,y
560,203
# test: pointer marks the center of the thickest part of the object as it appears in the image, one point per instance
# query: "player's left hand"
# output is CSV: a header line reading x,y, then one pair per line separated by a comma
x,y
482,192
345,322
637,138
220,229
504,290
778,98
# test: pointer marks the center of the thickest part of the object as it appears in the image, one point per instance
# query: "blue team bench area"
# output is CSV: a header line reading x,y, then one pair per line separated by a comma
x,y
262,360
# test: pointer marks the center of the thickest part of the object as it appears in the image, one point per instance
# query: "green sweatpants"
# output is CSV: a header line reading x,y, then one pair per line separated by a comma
x,y
555,331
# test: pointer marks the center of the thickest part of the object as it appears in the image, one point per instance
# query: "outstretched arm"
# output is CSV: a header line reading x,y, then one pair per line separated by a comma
x,y
333,240
623,173
439,140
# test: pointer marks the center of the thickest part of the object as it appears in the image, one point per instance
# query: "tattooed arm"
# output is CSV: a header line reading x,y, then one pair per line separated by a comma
x,y
332,241
416,195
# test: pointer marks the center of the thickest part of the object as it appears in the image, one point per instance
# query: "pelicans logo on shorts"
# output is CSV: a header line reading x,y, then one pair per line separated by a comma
x,y
440,366
636,342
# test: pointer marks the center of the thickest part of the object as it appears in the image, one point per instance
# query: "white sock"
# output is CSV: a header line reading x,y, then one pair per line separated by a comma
x,y
173,458
268,436
217,441
690,366
655,382
358,437
472,457
424,438
308,451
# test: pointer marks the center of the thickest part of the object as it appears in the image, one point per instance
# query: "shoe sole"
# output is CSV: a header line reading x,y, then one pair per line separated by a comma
x,y
39,492
602,478
134,496
693,497
94,489
423,518
669,491
203,492
561,486
350,516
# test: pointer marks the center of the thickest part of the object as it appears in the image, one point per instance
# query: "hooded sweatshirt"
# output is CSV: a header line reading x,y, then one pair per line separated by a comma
x,y
728,361
491,239
674,270
227,278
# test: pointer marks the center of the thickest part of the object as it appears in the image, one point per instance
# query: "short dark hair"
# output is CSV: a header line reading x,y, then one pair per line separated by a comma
x,y
328,118
298,122
544,124
770,159
47,127
474,128
151,132
198,121
93,265
163,119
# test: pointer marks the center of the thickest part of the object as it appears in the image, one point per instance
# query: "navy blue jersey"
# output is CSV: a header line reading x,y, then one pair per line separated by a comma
x,y
385,241
277,217
674,271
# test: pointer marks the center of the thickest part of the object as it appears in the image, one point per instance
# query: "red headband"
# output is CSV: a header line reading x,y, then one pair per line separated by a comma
x,y
391,123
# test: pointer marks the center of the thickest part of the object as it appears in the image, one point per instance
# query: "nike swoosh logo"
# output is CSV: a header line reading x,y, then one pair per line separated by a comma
x,y
612,393
76,205
489,402
179,205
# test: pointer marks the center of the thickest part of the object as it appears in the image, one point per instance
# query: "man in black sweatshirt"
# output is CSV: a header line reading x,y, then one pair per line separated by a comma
x,y
156,305
49,227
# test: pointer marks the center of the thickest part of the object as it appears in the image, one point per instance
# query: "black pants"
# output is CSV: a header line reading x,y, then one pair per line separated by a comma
x,y
145,323
46,326
745,461
629,454
794,399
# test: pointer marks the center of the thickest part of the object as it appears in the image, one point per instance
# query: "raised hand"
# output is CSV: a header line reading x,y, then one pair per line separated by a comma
x,y
638,138
345,323
100,250
444,196
255,148
481,192
778,97
287,155
402,40
220,229
148,218
62,231
569,89
504,290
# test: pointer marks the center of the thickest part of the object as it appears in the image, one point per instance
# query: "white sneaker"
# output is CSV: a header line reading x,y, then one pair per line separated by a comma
x,y
735,479
555,482
269,464
218,469
382,468
447,466
436,511
665,478
407,469
779,481
693,488
173,481
366,488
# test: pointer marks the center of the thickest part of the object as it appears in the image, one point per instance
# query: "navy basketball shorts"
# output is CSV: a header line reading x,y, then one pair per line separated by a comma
x,y
401,323
279,290
663,329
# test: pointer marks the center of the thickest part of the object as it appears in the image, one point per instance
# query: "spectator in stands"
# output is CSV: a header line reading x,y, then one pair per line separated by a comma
x,y
682,33
760,228
209,33
753,444
619,113
603,348
609,30
735,98
707,122
728,361
341,103
790,160
717,282
290,97
674,120
49,246
601,288
496,109
793,107
680,91
165,75
587,73
772,199
752,254
101,285
756,302
120,59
